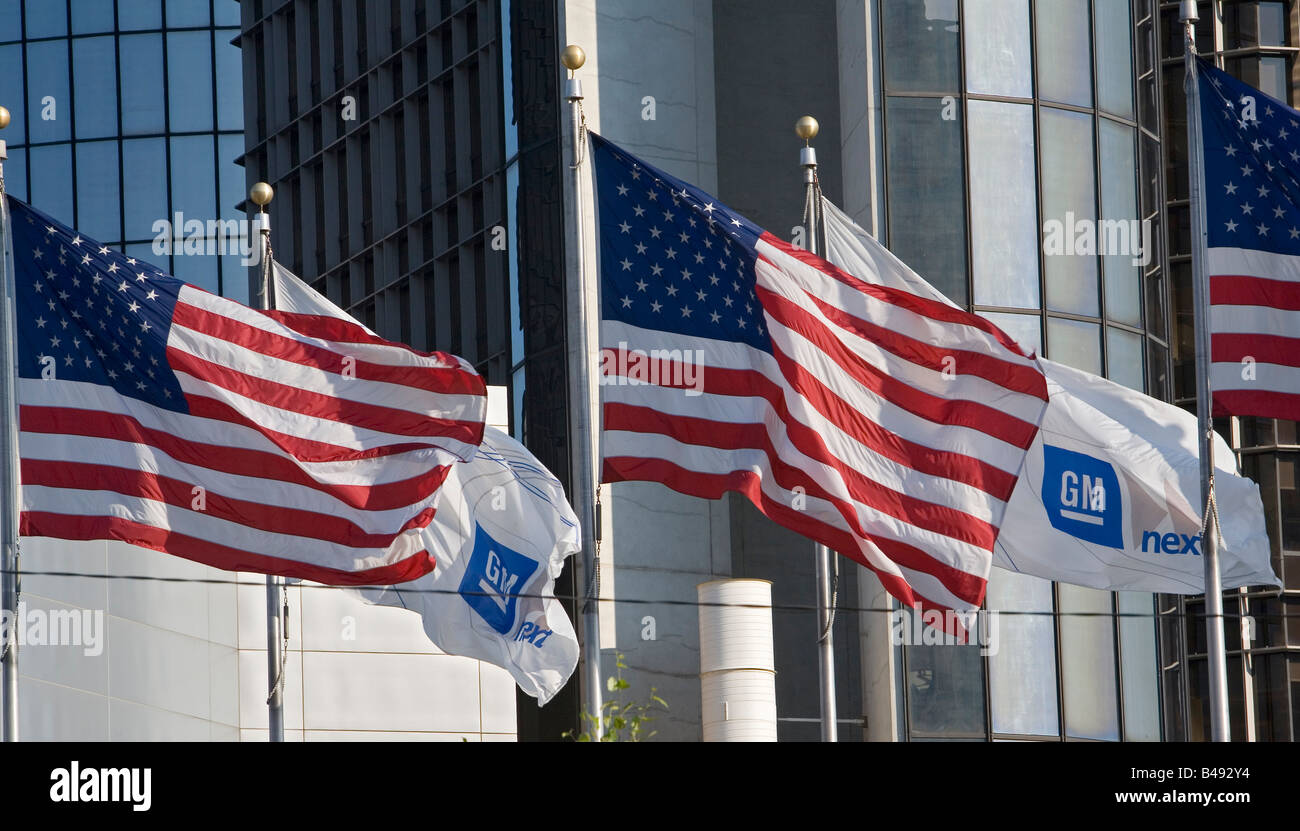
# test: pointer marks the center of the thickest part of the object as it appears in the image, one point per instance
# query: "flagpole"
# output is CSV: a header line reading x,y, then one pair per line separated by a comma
x,y
1220,726
806,128
262,194
584,421
9,484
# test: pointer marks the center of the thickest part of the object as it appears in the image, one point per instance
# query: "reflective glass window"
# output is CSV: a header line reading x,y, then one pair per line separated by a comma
x,y
143,98
144,191
91,16
139,14
1003,198
16,175
925,182
51,181
189,80
98,208
230,81
998,56
1114,56
188,13
46,18
1124,358
945,689
1069,211
11,20
1121,237
94,76
1027,329
1074,342
921,46
1064,51
232,177
194,185
49,104
1088,663
1139,666
197,269
226,13
11,79
1022,672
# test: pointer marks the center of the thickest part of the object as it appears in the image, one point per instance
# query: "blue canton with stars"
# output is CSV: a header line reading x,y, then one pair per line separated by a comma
x,y
672,257
101,316
1252,165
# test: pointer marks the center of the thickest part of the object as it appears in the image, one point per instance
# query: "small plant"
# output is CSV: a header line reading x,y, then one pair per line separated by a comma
x,y
620,721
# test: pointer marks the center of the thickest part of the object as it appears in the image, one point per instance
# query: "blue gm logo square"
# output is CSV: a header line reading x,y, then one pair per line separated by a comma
x,y
493,579
1082,497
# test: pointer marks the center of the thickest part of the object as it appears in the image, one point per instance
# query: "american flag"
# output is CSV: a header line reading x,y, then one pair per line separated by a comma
x,y
1252,213
890,427
158,414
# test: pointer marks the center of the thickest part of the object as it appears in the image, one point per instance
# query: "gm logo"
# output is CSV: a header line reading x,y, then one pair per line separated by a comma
x,y
492,580
1082,498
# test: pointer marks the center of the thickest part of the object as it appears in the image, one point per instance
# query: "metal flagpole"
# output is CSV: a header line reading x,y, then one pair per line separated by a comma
x,y
585,422
806,128
9,465
1220,726
276,602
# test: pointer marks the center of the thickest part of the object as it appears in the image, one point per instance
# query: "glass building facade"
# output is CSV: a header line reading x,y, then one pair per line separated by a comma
x,y
126,114
1040,120
1256,42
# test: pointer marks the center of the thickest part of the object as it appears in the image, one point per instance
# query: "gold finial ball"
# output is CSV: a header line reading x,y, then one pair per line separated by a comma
x,y
806,128
262,194
4,118
573,57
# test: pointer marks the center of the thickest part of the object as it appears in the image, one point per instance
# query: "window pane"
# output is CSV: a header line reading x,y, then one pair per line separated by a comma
x,y
188,13
51,181
139,14
48,101
1022,673
143,98
97,191
194,186
1074,342
1064,62
90,16
998,57
1026,329
1140,667
11,21
230,80
11,74
1121,237
1004,217
921,45
232,177
1272,24
16,175
1114,57
144,191
1088,664
94,73
189,80
1069,200
927,228
945,688
1124,358
227,13
46,18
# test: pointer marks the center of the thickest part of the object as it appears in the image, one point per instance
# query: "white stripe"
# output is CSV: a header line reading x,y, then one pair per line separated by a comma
x,y
1254,320
139,457
395,467
1227,375
1245,262
74,502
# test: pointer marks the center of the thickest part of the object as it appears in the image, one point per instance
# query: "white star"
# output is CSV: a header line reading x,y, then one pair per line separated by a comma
x,y
668,216
653,195
638,210
76,240
1262,190
1278,212
627,264
1245,171
686,311
112,267
1230,188
672,253
1295,233
709,207
1262,229
699,295
656,269
40,322
1230,150
742,322
624,227
672,291
1246,208
123,286
112,375
699,258
728,301
736,222
714,317
144,326
655,232
103,250
130,261
134,307
656,306
152,295
622,190
54,342
713,279
627,302
641,285
686,274
640,248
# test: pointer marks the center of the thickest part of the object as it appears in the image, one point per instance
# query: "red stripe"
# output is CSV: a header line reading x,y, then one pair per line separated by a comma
x,y
954,412
1011,376
304,450
968,587
257,516
240,461
340,330
1236,290
929,516
1264,349
1262,403
66,527
444,380
948,464
923,306
331,408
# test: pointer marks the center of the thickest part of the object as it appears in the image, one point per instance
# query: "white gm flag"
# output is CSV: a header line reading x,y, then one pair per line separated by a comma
x,y
1109,492
501,531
